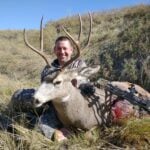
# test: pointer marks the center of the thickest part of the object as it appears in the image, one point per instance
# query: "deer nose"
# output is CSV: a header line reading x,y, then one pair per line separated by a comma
x,y
36,102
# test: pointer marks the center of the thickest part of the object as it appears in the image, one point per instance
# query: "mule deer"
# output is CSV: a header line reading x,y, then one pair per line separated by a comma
x,y
73,108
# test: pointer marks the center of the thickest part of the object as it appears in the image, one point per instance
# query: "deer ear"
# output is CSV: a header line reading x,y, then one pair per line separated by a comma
x,y
88,71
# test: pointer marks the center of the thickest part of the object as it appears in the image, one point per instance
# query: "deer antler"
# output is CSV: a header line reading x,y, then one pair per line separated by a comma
x,y
77,47
77,43
41,51
90,30
80,31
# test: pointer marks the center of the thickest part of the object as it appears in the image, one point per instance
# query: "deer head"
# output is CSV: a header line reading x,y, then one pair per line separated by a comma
x,y
64,84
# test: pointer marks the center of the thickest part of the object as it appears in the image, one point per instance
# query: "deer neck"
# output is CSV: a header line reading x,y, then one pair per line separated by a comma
x,y
72,102
70,95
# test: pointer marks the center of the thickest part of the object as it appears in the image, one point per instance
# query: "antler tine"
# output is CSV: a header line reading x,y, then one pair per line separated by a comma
x,y
90,30
41,34
77,47
80,31
76,43
40,52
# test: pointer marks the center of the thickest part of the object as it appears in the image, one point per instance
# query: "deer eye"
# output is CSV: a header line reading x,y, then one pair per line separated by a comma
x,y
57,82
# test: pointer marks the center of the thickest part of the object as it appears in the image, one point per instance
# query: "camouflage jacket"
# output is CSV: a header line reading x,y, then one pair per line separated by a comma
x,y
55,66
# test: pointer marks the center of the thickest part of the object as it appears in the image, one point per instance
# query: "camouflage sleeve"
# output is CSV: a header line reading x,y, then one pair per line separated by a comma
x,y
44,72
50,70
79,63
47,71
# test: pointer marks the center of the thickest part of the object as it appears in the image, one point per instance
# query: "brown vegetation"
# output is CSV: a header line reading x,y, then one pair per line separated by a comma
x,y
120,43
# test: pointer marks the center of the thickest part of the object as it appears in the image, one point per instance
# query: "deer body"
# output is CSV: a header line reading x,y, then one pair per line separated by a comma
x,y
72,107
125,86
73,111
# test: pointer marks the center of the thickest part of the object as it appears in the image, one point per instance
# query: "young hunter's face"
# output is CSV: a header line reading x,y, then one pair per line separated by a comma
x,y
63,50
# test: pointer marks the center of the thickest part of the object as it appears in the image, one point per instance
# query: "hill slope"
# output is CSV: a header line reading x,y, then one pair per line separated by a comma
x,y
120,43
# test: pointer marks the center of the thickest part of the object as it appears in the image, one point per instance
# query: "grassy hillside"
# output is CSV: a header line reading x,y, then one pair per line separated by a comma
x,y
120,43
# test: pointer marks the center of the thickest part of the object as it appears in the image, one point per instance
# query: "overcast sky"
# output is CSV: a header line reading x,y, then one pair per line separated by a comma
x,y
19,14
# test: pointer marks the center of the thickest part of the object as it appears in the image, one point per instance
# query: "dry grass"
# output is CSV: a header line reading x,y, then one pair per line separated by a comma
x,y
133,133
121,35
